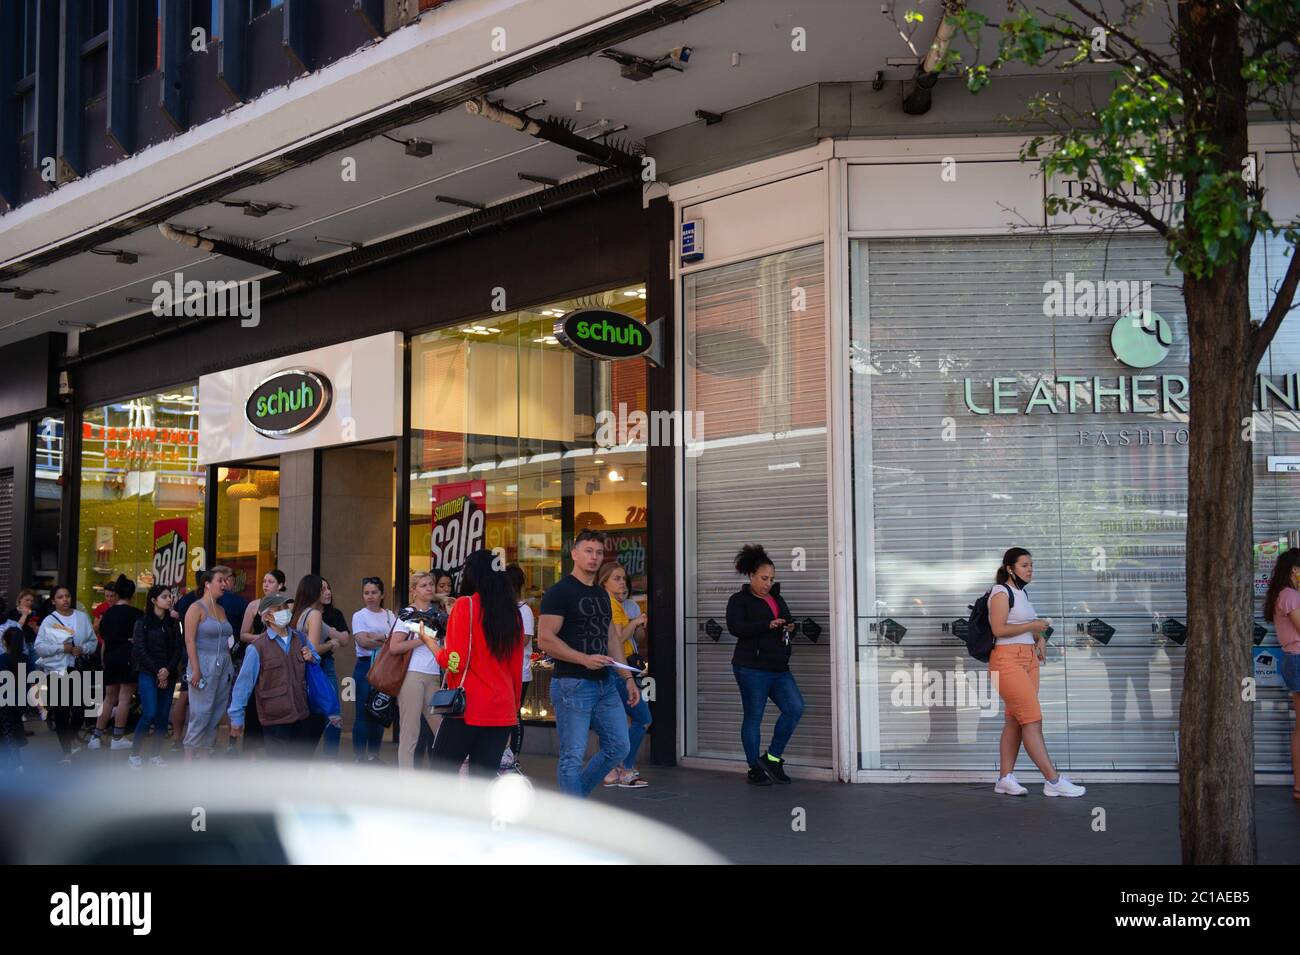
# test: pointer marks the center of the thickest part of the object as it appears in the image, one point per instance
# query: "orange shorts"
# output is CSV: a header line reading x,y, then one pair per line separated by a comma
x,y
1016,666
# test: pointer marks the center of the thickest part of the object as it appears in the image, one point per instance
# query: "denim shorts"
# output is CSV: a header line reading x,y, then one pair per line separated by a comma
x,y
1290,668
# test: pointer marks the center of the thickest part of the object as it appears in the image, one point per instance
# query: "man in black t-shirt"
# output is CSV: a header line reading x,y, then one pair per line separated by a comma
x,y
576,629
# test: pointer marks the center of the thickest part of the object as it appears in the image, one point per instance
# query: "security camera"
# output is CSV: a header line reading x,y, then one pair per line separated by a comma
x,y
680,54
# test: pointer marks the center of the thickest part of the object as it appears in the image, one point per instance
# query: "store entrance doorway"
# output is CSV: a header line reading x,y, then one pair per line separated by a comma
x,y
355,506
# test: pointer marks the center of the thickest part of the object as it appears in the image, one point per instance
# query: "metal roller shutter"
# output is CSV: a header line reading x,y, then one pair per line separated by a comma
x,y
940,492
6,531
756,370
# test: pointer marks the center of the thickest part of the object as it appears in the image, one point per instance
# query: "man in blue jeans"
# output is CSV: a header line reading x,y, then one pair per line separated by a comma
x,y
576,629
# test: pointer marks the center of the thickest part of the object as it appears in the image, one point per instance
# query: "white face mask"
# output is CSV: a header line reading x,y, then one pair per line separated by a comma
x,y
281,617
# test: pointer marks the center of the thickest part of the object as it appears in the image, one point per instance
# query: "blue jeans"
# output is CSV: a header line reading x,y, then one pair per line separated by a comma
x,y
367,735
333,734
582,705
756,686
155,710
640,716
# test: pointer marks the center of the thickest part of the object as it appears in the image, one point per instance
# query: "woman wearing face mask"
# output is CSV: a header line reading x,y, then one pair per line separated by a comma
x,y
309,604
757,616
371,626
1282,606
273,582
423,676
1019,649
65,635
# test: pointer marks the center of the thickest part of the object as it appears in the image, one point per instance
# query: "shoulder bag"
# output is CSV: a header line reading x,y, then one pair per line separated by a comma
x,y
389,669
447,702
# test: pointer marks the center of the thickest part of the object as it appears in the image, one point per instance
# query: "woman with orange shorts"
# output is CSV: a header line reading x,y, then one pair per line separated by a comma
x,y
1019,649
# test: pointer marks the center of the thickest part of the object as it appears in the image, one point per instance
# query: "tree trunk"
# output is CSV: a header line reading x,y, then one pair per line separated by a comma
x,y
1216,758
1216,753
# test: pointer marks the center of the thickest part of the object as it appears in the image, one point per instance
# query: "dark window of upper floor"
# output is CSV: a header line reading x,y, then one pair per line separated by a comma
x,y
94,16
94,49
26,88
258,7
206,15
148,38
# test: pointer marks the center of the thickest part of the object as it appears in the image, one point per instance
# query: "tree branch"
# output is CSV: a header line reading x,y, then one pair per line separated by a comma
x,y
1281,305
1154,60
1136,209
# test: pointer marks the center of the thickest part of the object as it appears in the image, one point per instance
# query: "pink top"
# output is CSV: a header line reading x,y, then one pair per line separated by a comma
x,y
776,611
1287,600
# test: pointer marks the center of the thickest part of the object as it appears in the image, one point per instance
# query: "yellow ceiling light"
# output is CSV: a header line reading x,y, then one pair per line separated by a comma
x,y
267,483
244,490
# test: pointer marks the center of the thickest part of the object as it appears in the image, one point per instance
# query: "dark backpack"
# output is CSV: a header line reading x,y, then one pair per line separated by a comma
x,y
978,634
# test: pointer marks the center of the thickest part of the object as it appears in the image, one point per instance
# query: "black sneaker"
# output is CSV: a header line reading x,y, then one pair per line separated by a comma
x,y
775,767
758,776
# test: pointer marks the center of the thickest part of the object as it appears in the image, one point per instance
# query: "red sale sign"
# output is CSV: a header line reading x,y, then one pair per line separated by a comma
x,y
459,519
170,542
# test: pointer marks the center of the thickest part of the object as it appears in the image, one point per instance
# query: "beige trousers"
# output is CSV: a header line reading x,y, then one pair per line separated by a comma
x,y
413,703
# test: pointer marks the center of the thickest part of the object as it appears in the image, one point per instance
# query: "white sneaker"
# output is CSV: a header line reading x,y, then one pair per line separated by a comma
x,y
120,742
155,761
1063,787
93,743
135,762
1008,785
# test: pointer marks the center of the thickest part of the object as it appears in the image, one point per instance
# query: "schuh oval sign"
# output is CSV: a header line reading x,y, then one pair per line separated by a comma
x,y
603,333
289,401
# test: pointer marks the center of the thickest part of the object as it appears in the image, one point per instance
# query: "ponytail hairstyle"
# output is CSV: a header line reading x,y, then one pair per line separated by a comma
x,y
751,558
1287,562
1009,560
497,610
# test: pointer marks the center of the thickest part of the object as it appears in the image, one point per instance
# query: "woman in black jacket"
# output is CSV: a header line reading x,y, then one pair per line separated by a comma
x,y
759,619
156,650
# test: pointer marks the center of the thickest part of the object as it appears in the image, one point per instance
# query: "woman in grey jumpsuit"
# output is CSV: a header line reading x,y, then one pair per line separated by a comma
x,y
208,637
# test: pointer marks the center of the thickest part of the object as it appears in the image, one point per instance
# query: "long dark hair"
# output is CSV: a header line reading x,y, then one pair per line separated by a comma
x,y
1287,561
278,574
308,594
437,574
751,558
1009,560
154,591
500,616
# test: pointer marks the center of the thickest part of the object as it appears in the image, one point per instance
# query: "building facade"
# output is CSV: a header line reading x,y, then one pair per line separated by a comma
x,y
874,350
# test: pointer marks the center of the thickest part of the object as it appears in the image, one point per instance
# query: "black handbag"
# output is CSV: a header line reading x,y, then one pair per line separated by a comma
x,y
380,707
450,703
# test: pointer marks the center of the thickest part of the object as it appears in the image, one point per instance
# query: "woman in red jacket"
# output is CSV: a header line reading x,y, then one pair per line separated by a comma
x,y
483,652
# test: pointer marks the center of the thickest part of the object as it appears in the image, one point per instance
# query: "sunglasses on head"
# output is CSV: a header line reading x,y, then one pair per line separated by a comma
x,y
371,580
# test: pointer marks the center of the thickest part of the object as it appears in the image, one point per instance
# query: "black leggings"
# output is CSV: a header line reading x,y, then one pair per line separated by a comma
x,y
66,720
517,736
484,746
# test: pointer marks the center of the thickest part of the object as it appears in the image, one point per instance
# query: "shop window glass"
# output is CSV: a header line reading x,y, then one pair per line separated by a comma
x,y
998,401
47,501
142,493
248,524
517,443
